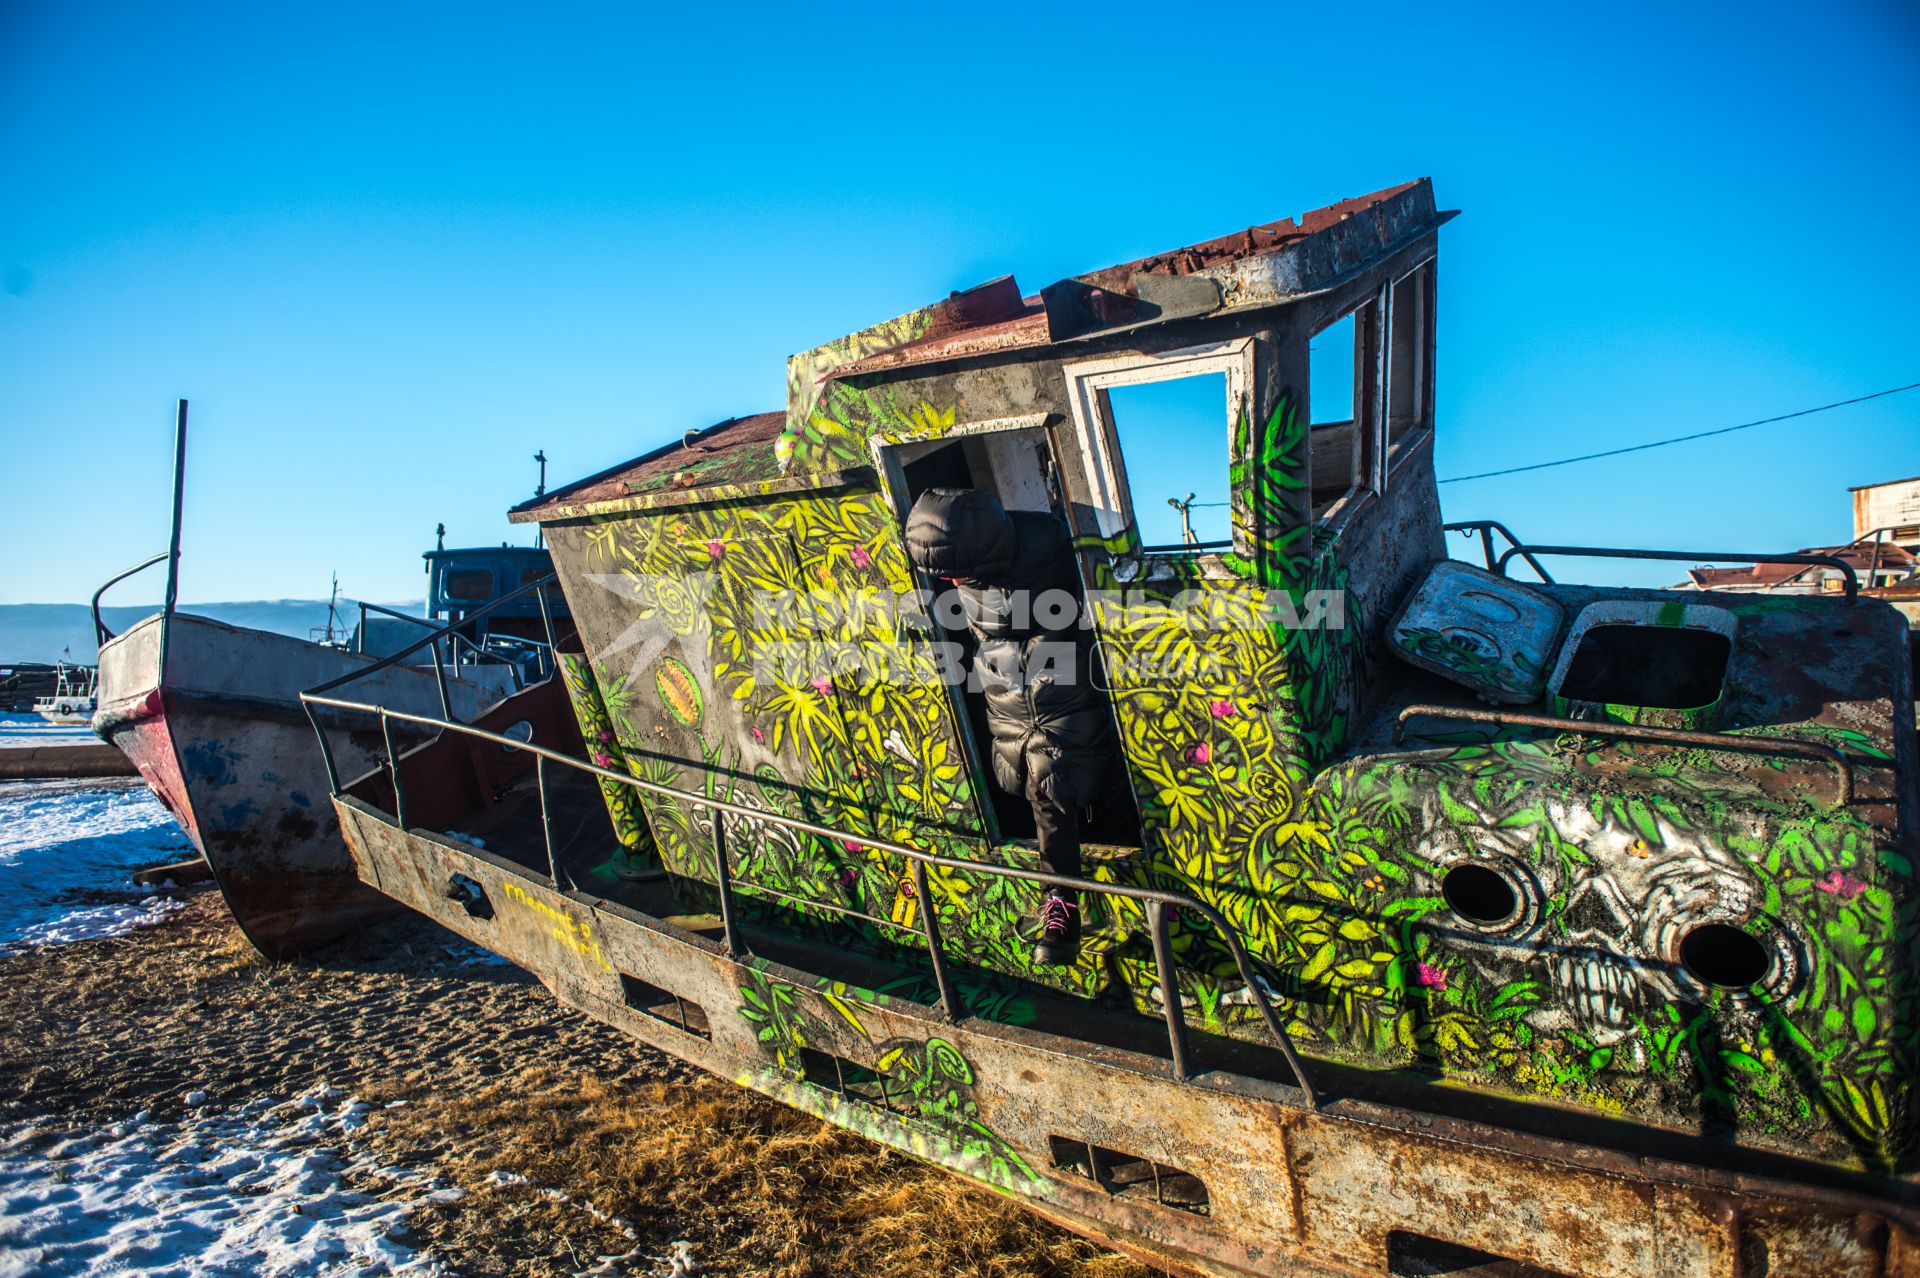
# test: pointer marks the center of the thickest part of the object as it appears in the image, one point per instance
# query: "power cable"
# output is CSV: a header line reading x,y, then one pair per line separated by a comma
x,y
1680,439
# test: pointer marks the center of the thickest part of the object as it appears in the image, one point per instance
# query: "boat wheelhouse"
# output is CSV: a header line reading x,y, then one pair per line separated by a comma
x,y
1440,918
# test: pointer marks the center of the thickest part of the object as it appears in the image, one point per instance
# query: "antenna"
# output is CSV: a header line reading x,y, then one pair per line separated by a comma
x,y
540,533
439,536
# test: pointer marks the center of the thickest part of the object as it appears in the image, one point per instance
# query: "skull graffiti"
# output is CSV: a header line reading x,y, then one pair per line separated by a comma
x,y
1601,915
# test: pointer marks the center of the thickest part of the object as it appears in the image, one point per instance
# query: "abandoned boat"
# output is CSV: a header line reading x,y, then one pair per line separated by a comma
x,y
72,699
210,715
1443,923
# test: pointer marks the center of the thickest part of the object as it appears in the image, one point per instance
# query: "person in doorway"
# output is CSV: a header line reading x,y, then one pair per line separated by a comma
x,y
1051,743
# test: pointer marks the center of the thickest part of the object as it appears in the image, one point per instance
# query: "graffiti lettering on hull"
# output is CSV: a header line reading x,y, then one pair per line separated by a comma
x,y
573,933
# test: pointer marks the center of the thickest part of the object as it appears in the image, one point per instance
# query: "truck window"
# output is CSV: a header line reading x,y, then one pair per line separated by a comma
x,y
470,584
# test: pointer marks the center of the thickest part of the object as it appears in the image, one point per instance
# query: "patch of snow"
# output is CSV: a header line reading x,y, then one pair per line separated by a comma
x,y
97,922
262,1189
466,952
67,852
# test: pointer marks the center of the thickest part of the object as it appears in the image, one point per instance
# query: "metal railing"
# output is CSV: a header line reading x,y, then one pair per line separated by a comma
x,y
1879,539
1485,529
100,631
1158,902
1758,743
537,588
1682,556
488,650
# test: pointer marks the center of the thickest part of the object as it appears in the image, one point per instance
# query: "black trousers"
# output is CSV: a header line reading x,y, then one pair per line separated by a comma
x,y
1059,832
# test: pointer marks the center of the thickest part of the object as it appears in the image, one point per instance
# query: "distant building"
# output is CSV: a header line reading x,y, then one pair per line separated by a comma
x,y
1891,510
1874,566
1884,553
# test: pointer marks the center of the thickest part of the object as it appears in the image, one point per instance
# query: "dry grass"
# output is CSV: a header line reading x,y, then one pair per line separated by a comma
x,y
756,1187
499,1077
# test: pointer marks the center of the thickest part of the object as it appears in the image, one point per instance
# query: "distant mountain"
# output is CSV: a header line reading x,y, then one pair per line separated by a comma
x,y
49,632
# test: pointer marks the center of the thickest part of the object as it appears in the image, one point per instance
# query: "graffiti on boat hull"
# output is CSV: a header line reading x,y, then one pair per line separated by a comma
x,y
916,1094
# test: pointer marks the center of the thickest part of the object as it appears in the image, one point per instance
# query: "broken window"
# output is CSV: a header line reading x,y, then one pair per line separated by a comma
x,y
1173,435
1369,392
1013,462
1410,364
1335,445
1659,667
1155,435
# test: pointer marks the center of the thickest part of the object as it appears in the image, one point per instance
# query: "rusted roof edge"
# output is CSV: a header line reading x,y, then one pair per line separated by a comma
x,y
816,481
1235,287
527,512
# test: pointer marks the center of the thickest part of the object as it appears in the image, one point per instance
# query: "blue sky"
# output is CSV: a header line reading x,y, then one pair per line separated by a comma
x,y
389,251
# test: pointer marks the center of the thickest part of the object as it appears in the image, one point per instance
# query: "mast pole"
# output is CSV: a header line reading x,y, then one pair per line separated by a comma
x,y
539,530
173,538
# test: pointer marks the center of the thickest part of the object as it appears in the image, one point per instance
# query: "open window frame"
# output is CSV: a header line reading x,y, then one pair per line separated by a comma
x,y
1393,357
1088,383
892,453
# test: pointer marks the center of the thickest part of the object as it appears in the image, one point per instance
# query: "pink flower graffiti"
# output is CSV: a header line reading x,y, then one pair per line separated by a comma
x,y
1222,709
861,559
716,548
1842,885
1430,976
1202,753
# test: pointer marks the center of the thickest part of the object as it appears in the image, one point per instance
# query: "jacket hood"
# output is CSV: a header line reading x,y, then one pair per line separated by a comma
x,y
962,533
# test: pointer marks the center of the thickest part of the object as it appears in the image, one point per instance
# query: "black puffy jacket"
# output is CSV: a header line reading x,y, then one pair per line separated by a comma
x,y
1047,715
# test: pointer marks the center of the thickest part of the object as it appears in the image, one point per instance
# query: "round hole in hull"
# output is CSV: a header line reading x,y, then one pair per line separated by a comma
x,y
1480,895
1725,957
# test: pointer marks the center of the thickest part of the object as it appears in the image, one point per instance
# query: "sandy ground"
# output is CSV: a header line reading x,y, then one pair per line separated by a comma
x,y
550,1143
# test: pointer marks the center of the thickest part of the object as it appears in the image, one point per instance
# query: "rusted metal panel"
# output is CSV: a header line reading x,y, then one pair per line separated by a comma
x,y
1289,1190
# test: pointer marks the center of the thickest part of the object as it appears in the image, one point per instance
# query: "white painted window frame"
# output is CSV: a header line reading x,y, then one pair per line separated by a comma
x,y
1111,498
886,448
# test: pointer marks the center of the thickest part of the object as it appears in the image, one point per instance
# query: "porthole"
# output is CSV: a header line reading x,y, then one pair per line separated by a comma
x,y
1725,957
1483,897
520,731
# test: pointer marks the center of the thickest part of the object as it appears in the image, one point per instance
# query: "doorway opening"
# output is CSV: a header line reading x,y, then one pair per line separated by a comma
x,y
1016,465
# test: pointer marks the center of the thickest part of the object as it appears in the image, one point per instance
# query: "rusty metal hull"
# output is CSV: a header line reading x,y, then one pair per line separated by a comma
x,y
1353,1187
223,742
